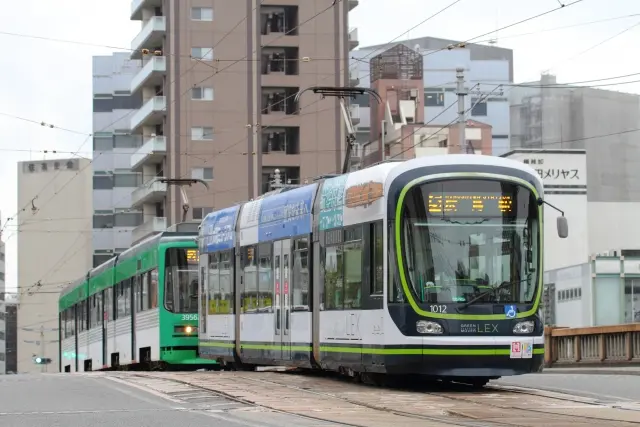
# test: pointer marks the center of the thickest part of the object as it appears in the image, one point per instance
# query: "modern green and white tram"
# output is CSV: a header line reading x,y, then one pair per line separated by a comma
x,y
431,266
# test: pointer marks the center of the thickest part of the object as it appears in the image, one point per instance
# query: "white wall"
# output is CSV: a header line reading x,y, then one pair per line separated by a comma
x,y
613,225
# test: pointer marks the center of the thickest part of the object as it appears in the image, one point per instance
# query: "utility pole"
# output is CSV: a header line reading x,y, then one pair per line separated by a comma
x,y
461,92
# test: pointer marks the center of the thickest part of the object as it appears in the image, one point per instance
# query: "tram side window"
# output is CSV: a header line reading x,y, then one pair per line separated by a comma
x,y
108,303
250,273
333,278
153,288
145,298
343,270
377,262
353,257
121,301
82,318
265,276
300,279
213,298
95,308
136,284
226,282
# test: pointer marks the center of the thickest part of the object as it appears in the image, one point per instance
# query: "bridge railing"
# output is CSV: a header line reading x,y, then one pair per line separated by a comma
x,y
600,345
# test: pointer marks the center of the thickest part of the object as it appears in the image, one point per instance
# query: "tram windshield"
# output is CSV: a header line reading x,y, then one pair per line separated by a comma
x,y
471,241
181,280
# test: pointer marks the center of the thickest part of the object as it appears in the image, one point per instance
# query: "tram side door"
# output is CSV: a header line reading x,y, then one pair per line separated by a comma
x,y
282,278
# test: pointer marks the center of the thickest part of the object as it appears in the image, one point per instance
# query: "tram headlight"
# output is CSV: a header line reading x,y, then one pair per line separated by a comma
x,y
525,327
428,327
188,330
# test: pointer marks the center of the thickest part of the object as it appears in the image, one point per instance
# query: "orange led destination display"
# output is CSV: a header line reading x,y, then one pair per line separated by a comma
x,y
192,256
470,204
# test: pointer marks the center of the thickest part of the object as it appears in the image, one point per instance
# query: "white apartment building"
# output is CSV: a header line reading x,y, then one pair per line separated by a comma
x,y
54,248
113,148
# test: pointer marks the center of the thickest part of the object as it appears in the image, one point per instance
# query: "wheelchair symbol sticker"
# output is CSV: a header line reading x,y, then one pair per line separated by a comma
x,y
510,311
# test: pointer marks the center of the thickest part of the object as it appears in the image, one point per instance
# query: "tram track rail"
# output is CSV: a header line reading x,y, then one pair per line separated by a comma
x,y
478,412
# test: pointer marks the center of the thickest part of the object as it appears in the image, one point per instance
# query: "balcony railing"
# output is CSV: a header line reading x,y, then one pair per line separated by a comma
x,y
354,110
151,113
353,38
150,35
151,74
148,193
151,152
148,228
138,5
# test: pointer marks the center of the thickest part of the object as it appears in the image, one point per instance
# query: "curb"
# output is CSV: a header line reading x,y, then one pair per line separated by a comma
x,y
588,371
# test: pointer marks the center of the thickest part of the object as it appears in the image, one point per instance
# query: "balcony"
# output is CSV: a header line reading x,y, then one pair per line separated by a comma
x,y
138,5
150,35
148,193
354,76
151,152
352,4
354,112
150,114
353,38
152,74
148,228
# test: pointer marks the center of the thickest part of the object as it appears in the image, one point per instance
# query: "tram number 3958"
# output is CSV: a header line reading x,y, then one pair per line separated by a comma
x,y
438,308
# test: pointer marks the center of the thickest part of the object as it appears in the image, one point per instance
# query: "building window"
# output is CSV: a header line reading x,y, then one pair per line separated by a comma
x,y
479,108
130,219
202,133
103,221
131,180
200,213
101,143
202,53
202,173
434,99
202,94
102,182
202,14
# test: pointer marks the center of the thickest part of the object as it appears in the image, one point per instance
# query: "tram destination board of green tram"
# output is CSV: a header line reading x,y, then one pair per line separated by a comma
x,y
470,204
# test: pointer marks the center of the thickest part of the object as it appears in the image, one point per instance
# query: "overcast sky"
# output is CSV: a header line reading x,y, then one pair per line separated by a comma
x,y
50,82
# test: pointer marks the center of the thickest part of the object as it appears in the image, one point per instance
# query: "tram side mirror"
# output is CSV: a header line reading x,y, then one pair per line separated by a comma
x,y
563,227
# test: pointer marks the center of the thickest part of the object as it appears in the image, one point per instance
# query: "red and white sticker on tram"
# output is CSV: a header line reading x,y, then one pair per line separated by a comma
x,y
521,350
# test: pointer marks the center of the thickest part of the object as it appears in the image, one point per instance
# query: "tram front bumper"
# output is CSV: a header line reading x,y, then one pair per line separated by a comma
x,y
502,358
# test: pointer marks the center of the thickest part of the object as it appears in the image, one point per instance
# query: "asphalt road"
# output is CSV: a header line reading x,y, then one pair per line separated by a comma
x,y
607,388
58,400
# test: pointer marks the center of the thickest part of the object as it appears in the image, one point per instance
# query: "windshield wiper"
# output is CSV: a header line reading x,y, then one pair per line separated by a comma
x,y
490,291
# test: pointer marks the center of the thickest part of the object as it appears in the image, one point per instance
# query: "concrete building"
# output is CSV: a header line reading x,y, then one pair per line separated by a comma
x,y
54,247
584,284
488,65
218,87
113,147
604,123
397,125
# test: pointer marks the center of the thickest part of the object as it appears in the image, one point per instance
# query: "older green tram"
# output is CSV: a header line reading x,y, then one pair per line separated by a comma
x,y
138,308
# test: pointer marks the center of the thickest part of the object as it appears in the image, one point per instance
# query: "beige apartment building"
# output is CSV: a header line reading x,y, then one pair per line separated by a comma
x,y
218,82
54,248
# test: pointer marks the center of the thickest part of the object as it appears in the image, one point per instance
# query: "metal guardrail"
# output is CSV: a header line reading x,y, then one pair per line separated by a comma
x,y
600,345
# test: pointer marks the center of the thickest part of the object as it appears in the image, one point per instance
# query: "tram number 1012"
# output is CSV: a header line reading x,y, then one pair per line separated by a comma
x,y
438,308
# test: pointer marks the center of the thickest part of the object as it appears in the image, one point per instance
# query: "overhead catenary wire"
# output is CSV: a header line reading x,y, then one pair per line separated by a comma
x,y
578,1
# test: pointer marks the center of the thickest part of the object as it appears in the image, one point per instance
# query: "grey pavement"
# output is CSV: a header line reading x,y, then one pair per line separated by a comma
x,y
59,400
606,386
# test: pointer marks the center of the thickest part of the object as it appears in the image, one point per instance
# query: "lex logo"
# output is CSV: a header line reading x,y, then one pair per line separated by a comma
x,y
488,328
